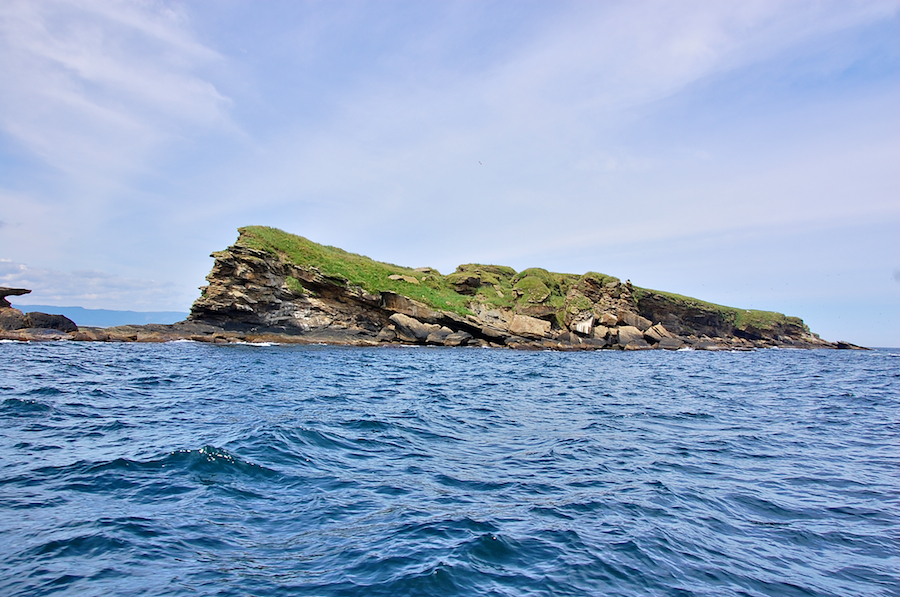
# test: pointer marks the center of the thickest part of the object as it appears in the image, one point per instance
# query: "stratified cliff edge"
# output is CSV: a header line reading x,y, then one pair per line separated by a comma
x,y
275,285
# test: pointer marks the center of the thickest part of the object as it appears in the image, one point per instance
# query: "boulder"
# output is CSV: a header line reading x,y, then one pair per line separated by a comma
x,y
710,344
670,344
438,336
51,322
631,338
600,332
570,338
630,318
405,305
523,325
457,339
408,279
410,329
656,333
583,327
609,320
12,319
637,345
387,334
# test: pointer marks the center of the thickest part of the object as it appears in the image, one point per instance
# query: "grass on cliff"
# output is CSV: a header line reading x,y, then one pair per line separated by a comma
x,y
501,286
742,319
433,289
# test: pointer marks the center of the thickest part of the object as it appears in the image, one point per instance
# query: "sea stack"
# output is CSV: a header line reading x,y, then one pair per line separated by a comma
x,y
272,282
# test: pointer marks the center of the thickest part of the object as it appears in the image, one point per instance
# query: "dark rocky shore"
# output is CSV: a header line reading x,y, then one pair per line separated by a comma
x,y
259,295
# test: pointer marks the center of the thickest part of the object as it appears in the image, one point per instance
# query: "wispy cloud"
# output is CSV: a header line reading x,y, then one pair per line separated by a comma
x,y
91,289
564,123
91,86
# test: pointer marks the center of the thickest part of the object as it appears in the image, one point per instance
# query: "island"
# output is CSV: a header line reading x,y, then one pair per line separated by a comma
x,y
272,286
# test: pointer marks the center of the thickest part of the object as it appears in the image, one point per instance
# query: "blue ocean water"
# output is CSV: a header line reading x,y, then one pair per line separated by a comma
x,y
190,469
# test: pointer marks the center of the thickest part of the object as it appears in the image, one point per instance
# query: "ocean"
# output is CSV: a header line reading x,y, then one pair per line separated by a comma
x,y
193,469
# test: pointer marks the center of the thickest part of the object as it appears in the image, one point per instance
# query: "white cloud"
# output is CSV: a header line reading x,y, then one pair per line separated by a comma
x,y
90,289
92,86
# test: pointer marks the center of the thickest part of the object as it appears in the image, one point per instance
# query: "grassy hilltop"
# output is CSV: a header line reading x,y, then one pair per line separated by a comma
x,y
497,285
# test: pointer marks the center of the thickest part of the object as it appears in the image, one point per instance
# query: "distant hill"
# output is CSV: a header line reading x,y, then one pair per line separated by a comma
x,y
107,317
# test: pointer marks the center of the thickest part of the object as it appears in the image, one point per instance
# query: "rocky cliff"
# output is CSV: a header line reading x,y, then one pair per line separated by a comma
x,y
270,283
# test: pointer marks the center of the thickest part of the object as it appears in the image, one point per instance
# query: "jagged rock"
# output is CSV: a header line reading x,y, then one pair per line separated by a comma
x,y
537,311
387,334
632,319
656,333
262,292
438,336
570,338
600,332
609,320
524,325
637,345
631,336
6,291
51,322
12,319
457,339
848,346
670,344
409,307
467,284
412,330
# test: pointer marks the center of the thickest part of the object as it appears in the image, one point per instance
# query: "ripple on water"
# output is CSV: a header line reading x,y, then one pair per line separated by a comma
x,y
188,469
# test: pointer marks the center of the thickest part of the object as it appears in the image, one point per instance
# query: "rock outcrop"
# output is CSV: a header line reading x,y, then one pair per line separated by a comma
x,y
6,291
257,288
14,324
271,286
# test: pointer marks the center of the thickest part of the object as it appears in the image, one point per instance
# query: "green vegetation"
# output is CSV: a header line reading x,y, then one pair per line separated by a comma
x,y
741,319
358,270
601,279
295,285
533,289
579,303
500,286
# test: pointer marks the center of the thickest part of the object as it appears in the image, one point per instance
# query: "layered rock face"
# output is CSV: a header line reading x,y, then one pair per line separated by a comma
x,y
254,293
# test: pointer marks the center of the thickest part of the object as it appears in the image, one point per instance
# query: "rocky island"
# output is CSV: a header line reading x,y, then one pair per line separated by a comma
x,y
271,286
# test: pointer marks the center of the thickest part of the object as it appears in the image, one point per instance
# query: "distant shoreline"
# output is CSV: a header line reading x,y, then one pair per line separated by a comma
x,y
104,318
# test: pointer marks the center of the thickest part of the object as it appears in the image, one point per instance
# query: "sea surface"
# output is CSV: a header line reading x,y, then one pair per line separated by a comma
x,y
191,469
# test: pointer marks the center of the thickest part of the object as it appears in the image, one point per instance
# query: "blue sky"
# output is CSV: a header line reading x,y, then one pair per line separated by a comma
x,y
744,153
